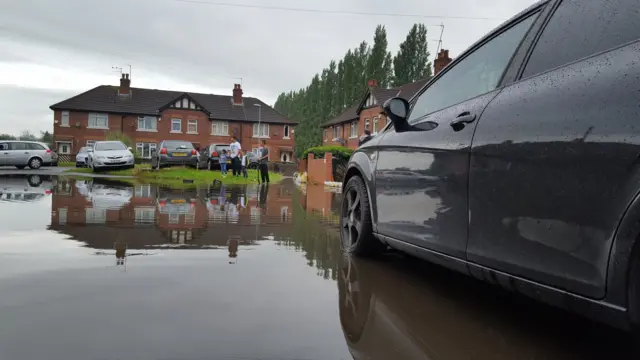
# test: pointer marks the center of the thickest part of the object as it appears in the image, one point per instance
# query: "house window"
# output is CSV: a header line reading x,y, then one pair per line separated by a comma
x,y
370,101
174,218
64,119
284,213
260,130
64,149
145,215
62,216
192,126
192,105
219,128
189,218
95,216
354,130
366,124
98,121
326,135
143,191
177,104
144,149
185,103
285,132
147,123
255,215
176,125
336,132
90,143
375,125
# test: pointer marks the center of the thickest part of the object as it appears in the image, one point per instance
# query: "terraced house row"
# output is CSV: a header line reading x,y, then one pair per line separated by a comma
x,y
148,116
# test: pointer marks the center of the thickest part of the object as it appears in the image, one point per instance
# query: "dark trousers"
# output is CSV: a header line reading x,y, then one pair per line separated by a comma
x,y
244,172
235,166
264,173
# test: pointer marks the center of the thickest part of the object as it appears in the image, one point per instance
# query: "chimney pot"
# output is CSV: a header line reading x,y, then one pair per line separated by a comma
x,y
441,61
372,83
237,94
125,85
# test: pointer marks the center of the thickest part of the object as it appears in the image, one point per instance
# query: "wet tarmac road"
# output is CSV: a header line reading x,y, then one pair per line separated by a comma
x,y
100,270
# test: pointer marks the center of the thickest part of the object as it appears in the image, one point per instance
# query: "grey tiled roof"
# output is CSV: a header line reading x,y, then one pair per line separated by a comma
x,y
104,98
349,114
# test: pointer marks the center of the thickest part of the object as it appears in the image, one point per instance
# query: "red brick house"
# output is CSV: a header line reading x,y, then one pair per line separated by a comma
x,y
149,116
346,129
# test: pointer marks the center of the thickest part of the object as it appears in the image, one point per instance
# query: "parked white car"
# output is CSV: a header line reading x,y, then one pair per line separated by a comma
x,y
110,155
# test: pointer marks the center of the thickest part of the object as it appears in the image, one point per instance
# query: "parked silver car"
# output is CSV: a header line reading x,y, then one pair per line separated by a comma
x,y
110,155
82,156
21,154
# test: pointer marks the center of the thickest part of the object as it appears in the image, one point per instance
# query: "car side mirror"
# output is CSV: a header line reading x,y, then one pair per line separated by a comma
x,y
397,110
129,148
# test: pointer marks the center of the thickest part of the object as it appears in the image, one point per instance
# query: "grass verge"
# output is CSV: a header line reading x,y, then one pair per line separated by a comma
x,y
179,177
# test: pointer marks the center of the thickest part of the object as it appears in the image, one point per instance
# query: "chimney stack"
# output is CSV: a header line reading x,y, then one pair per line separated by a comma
x,y
441,61
372,83
125,85
237,94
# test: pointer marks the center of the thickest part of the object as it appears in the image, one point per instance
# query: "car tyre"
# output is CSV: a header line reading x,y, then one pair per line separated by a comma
x,y
356,231
35,163
634,291
34,180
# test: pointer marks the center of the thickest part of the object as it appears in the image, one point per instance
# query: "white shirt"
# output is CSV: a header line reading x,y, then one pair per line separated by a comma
x,y
235,147
244,160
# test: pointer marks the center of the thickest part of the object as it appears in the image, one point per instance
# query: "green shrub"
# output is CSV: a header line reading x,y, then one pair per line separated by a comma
x,y
119,136
339,152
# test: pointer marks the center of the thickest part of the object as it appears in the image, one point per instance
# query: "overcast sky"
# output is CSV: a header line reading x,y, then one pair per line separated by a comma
x,y
53,49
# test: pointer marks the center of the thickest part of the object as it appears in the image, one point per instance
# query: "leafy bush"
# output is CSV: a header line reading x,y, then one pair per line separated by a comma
x,y
339,152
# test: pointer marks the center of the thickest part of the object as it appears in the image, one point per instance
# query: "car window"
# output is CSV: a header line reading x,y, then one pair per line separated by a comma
x,y
107,146
34,146
83,149
4,146
172,145
580,28
476,74
18,146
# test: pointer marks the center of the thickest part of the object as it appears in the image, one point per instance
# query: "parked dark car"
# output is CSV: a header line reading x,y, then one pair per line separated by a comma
x,y
518,163
210,157
174,152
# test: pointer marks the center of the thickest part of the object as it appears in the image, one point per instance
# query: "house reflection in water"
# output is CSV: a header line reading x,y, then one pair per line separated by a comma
x,y
147,216
322,201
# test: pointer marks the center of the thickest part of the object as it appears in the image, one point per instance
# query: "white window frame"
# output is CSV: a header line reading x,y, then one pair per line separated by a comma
x,y
326,134
143,191
375,125
261,130
95,215
366,123
176,121
64,119
91,143
190,218
255,213
220,128
140,149
185,103
191,122
98,121
145,214
336,132
68,151
286,132
284,213
143,120
174,218
354,130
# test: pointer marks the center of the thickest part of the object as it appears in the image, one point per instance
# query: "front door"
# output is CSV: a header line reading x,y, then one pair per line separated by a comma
x,y
422,174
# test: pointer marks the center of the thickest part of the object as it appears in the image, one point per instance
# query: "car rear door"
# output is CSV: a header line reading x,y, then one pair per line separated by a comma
x,y
18,153
421,174
4,154
554,161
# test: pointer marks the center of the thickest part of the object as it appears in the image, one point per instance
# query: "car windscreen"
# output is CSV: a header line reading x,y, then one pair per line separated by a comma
x,y
219,148
177,145
83,150
107,146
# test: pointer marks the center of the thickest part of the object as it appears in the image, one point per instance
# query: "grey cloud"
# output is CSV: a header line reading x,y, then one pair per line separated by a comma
x,y
272,51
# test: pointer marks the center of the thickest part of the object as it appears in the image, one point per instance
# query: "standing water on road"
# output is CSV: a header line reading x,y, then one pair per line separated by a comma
x,y
91,269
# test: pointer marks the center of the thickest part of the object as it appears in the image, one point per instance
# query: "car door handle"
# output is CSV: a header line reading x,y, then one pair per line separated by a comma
x,y
27,153
461,120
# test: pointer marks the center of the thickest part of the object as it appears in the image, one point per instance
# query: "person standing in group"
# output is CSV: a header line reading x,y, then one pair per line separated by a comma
x,y
235,149
243,163
264,161
223,163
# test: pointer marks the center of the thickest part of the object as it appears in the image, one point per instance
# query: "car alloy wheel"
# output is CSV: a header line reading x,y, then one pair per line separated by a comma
x,y
356,231
35,163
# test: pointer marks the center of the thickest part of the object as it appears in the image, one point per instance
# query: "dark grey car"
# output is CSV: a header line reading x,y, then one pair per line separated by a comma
x,y
174,152
518,163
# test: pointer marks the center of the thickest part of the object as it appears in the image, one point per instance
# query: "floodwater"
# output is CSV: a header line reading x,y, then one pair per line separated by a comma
x,y
101,270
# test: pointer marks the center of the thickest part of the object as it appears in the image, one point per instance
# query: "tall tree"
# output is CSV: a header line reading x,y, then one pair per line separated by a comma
x,y
27,135
379,61
411,63
7,137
